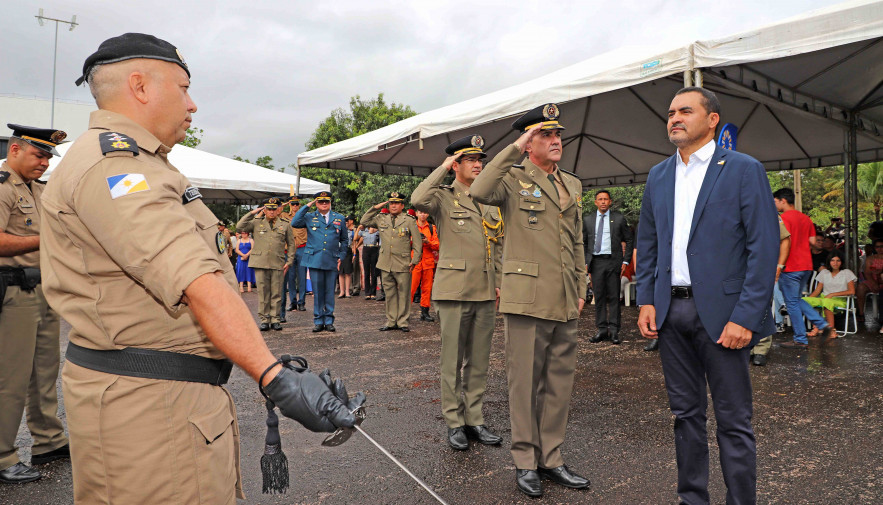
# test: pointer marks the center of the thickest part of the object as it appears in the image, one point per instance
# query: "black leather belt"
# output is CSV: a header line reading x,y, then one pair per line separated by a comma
x,y
150,364
682,292
605,256
26,277
372,246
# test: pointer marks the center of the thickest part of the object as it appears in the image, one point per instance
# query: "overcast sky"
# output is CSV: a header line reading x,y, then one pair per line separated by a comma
x,y
266,73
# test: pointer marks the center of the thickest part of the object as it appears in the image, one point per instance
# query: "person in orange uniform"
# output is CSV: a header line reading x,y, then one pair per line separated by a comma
x,y
423,272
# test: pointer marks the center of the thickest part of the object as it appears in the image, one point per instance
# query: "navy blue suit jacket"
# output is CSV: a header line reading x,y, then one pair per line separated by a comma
x,y
326,243
732,250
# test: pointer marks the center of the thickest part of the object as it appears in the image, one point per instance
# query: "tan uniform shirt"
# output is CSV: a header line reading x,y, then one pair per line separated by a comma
x,y
118,252
398,238
20,214
270,240
300,236
544,271
469,263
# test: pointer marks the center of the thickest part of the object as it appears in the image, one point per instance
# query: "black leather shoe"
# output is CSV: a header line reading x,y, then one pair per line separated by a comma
x,y
562,475
356,292
483,435
282,319
292,307
614,338
652,346
457,439
759,360
381,298
19,474
301,308
318,328
601,335
388,328
276,326
63,452
330,327
264,326
404,328
529,482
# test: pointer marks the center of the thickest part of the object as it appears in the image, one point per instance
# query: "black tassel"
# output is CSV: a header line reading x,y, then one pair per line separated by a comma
x,y
274,464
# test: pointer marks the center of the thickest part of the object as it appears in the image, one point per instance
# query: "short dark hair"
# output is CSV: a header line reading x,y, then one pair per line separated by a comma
x,y
709,99
786,194
835,254
603,191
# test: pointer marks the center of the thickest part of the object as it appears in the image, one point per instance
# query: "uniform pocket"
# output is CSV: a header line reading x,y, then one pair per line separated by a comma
x,y
460,221
531,215
519,281
450,276
214,453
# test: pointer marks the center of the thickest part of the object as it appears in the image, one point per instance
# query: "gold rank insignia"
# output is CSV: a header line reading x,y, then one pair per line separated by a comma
x,y
58,136
456,203
524,185
477,141
721,162
550,111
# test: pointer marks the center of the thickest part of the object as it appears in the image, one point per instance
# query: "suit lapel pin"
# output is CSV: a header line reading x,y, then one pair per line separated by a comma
x,y
721,162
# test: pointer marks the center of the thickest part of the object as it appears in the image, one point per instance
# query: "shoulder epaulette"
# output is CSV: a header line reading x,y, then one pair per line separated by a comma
x,y
3,176
569,173
38,181
116,142
516,165
446,186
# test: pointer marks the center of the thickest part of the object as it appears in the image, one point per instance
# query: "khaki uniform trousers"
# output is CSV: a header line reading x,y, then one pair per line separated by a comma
x,y
29,360
466,331
397,289
763,346
269,294
149,441
540,361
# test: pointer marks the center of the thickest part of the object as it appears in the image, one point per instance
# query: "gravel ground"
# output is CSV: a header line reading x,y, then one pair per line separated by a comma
x,y
818,420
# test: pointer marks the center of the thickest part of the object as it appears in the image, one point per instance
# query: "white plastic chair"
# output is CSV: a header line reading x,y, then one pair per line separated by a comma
x,y
629,289
850,308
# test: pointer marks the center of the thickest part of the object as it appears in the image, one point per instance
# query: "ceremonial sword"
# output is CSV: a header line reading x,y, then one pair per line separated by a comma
x,y
343,434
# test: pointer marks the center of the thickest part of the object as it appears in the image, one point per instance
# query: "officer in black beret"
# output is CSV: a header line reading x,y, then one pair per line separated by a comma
x,y
133,260
327,243
29,328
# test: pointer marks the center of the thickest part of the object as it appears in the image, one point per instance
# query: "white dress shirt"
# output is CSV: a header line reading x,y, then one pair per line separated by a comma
x,y
688,182
605,238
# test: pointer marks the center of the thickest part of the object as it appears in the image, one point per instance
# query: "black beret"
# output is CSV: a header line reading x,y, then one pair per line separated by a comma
x,y
42,138
546,113
129,46
467,145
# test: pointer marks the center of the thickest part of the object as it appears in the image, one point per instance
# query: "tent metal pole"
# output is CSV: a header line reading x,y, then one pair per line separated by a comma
x,y
798,191
688,78
697,78
850,193
297,184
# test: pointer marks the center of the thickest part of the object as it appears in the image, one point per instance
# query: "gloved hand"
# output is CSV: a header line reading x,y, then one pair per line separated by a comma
x,y
317,403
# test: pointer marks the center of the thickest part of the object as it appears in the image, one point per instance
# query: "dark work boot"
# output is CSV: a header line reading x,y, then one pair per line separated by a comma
x,y
424,315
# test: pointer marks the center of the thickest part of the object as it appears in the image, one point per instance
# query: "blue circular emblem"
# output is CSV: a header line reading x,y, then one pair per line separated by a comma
x,y
222,243
727,137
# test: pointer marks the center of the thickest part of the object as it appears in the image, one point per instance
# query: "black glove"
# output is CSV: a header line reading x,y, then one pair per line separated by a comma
x,y
309,400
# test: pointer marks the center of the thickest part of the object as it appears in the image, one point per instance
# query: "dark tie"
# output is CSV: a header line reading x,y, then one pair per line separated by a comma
x,y
599,236
552,180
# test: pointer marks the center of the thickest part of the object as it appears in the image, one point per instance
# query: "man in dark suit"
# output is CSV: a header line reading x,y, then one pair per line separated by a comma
x,y
707,251
604,231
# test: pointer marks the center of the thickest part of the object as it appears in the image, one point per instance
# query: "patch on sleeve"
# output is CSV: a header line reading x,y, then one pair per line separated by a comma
x,y
190,194
126,184
112,142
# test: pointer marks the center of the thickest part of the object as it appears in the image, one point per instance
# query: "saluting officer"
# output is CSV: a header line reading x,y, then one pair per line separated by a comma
x,y
132,259
400,248
542,292
29,352
297,274
466,286
327,242
271,235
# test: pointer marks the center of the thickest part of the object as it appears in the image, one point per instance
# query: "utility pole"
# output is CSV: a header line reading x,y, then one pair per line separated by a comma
x,y
73,22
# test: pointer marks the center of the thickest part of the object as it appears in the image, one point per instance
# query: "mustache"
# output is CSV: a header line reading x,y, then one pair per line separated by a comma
x,y
677,125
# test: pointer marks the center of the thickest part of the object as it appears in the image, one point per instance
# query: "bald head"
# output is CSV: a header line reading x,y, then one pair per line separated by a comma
x,y
153,93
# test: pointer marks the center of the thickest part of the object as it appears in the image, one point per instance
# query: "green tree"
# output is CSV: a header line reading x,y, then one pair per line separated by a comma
x,y
262,161
354,192
193,138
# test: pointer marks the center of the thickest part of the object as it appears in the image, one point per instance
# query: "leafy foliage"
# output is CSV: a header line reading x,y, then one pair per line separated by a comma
x,y
193,138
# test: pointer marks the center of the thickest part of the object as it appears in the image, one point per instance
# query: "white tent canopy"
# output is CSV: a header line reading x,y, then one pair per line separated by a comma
x,y
224,180
794,89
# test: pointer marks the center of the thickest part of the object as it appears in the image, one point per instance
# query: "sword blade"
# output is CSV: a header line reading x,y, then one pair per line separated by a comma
x,y
396,461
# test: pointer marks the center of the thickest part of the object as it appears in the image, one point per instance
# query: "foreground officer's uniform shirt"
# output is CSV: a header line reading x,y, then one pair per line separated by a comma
x,y
122,238
19,214
118,252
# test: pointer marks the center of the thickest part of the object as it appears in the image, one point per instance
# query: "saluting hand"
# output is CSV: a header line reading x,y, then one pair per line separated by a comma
x,y
449,161
527,136
381,205
313,202
258,210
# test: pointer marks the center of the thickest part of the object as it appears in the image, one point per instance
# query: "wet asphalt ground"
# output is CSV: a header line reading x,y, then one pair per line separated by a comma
x,y
818,419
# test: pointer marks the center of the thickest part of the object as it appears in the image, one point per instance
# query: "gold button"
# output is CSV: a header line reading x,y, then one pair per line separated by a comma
x,y
531,206
451,265
560,216
519,269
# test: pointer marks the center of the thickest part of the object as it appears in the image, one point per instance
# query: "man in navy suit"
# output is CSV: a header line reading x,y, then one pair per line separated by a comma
x,y
327,242
707,251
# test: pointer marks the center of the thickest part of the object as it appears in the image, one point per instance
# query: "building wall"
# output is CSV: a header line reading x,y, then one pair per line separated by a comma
x,y
72,117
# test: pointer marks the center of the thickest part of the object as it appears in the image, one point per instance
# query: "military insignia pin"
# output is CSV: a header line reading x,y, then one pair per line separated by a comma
x,y
477,141
180,56
721,162
550,111
119,144
537,193
524,192
456,203
525,185
460,222
28,222
58,136
532,220
221,242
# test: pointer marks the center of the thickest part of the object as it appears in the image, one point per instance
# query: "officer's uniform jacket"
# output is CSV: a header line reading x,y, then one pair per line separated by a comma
x,y
270,240
20,214
326,243
123,235
469,264
544,272
396,242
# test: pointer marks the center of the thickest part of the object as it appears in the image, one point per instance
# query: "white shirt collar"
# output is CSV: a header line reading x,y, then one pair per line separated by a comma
x,y
702,155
